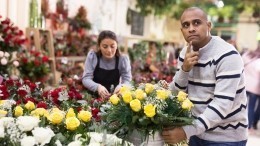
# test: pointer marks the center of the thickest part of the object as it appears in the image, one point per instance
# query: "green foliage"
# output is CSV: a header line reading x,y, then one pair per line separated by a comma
x,y
155,7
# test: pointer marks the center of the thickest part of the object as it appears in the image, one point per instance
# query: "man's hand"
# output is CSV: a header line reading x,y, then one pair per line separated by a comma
x,y
102,91
191,58
173,136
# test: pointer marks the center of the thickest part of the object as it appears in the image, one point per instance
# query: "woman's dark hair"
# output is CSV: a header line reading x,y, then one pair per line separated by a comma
x,y
107,34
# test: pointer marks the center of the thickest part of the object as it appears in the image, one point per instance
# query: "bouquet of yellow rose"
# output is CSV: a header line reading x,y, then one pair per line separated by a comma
x,y
147,108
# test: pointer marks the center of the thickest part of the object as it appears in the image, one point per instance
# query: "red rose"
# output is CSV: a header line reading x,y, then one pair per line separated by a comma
x,y
29,99
45,59
22,93
42,105
32,86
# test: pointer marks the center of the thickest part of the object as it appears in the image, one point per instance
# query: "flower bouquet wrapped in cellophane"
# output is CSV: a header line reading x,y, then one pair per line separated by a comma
x,y
147,108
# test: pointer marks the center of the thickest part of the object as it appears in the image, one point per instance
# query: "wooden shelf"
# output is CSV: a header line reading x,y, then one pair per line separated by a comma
x,y
36,34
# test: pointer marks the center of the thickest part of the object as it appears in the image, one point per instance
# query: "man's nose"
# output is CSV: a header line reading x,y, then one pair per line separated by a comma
x,y
191,28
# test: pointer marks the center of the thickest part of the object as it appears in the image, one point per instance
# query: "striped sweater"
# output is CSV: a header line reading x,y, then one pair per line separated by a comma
x,y
216,87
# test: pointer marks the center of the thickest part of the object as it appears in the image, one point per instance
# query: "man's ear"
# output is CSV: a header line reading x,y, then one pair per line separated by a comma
x,y
209,25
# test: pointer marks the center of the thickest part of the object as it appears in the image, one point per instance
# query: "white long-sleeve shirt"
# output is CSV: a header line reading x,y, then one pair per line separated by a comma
x,y
216,87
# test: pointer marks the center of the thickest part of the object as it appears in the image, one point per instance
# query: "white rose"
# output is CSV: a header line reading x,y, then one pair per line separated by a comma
x,y
7,54
75,143
1,54
16,63
27,123
4,61
28,141
42,135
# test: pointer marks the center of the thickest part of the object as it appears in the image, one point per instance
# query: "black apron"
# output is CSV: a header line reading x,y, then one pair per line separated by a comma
x,y
107,78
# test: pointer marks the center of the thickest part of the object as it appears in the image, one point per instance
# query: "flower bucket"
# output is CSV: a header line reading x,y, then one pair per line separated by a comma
x,y
153,140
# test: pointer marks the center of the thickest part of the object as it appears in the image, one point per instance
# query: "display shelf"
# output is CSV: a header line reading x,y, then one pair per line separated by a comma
x,y
43,41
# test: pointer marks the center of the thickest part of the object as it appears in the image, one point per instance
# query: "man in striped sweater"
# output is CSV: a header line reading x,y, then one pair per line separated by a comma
x,y
211,72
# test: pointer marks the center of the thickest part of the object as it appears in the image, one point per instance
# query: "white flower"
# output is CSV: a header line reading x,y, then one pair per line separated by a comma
x,y
2,132
94,144
58,143
7,54
4,61
28,141
63,96
95,137
16,63
75,143
27,123
42,135
6,120
1,54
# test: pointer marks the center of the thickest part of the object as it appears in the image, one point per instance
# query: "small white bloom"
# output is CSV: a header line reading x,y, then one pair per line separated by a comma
x,y
95,137
16,63
42,135
28,141
6,120
58,143
94,144
76,77
27,123
1,54
75,143
63,96
4,61
7,54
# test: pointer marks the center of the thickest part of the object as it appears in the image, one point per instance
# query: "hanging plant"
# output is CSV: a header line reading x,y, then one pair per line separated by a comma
x,y
129,16
155,7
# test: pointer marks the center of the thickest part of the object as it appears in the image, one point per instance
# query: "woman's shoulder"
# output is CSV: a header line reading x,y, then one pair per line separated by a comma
x,y
91,54
124,57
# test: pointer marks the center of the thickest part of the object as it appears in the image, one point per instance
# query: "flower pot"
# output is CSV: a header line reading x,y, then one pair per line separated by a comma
x,y
152,140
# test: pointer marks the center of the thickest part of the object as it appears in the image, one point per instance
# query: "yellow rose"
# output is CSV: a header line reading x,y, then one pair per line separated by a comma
x,y
114,99
181,96
187,104
149,110
40,112
124,88
140,94
18,111
85,116
135,105
29,105
56,117
2,101
3,113
72,123
149,88
70,113
162,94
127,96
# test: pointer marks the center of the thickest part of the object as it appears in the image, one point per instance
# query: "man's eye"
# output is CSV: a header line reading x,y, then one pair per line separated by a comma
x,y
196,23
185,25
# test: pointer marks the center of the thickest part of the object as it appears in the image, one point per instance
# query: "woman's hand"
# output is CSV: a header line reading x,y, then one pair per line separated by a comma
x,y
102,91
